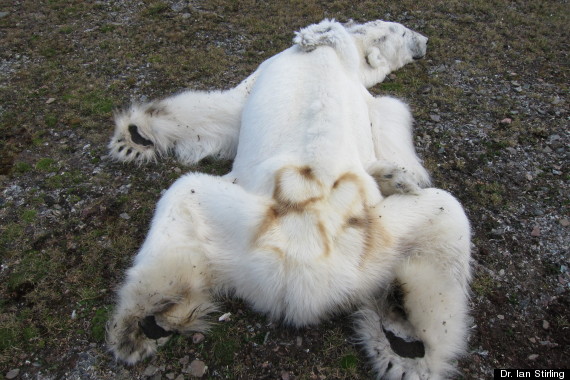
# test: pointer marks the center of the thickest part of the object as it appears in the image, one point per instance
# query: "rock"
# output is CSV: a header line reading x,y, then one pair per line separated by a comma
x,y
197,368
12,374
50,100
506,120
564,222
535,231
532,357
225,317
285,375
545,324
198,338
150,370
4,14
125,216
498,231
435,117
178,7
185,360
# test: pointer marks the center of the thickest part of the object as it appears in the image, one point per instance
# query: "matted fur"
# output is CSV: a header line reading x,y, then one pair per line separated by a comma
x,y
302,226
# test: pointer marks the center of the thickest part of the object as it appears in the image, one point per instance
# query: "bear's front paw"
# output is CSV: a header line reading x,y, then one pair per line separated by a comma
x,y
129,144
325,33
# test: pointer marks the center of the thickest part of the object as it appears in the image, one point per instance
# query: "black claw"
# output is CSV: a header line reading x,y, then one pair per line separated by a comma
x,y
151,329
137,138
389,367
129,152
121,148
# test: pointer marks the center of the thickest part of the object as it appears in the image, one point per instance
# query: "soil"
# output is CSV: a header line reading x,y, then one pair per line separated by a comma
x,y
491,108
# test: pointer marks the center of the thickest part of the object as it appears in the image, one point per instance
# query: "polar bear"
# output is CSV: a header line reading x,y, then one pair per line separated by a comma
x,y
302,226
197,124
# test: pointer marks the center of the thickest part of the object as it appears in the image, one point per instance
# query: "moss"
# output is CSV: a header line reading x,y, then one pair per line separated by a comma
x,y
28,216
349,362
223,344
98,323
9,338
483,285
155,9
46,165
21,167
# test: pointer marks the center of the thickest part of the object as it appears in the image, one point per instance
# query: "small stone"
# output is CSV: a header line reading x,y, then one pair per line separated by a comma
x,y
435,117
50,100
299,341
507,120
185,360
498,231
125,216
529,176
198,338
532,340
500,316
197,368
535,231
4,14
545,324
502,272
225,317
532,357
150,370
285,375
12,374
170,376
180,377
564,222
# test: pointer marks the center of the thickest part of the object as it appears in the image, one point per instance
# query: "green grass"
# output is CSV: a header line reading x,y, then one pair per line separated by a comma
x,y
46,165
98,323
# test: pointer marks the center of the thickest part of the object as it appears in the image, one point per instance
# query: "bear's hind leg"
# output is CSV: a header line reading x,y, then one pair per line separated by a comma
x,y
420,335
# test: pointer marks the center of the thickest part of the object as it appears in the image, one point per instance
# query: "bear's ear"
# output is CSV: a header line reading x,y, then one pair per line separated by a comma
x,y
374,58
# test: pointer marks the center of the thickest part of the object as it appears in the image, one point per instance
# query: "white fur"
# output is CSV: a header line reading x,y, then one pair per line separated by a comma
x,y
300,228
196,124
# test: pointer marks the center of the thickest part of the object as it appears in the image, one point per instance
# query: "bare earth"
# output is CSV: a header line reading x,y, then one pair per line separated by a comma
x,y
492,124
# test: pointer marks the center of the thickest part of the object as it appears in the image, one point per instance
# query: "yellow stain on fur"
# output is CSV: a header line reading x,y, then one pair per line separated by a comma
x,y
298,190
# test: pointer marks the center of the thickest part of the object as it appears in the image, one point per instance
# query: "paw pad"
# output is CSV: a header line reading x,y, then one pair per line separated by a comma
x,y
151,329
137,137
